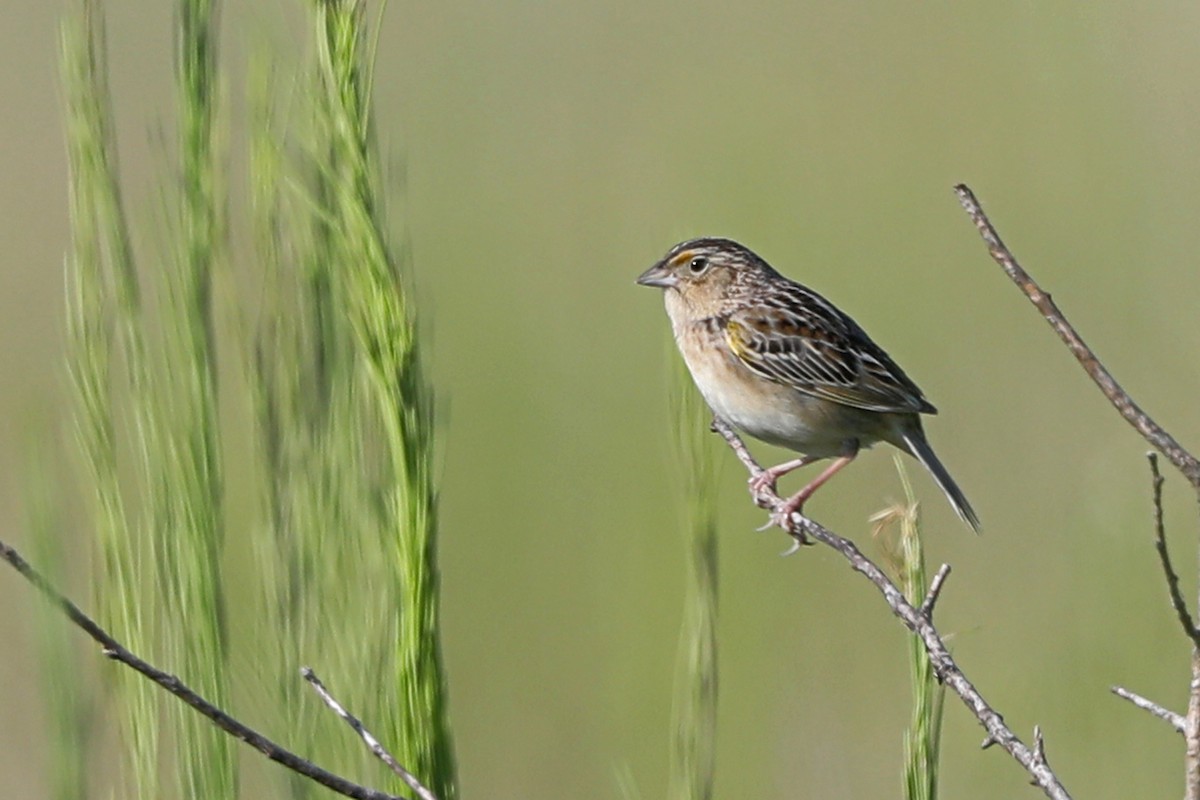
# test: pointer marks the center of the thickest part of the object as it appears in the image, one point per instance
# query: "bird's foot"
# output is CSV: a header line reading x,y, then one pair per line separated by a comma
x,y
762,482
783,518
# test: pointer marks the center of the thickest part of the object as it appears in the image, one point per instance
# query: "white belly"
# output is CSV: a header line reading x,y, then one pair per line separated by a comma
x,y
775,413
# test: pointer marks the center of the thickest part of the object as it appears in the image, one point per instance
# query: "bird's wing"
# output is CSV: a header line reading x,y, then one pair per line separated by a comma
x,y
806,343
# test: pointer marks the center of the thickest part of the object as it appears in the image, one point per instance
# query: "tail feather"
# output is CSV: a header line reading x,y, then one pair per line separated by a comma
x,y
918,445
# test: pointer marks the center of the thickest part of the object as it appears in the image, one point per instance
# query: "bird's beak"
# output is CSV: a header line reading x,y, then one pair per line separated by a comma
x,y
659,276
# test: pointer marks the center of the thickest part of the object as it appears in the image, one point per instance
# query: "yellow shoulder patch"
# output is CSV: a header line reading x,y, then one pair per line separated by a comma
x,y
735,336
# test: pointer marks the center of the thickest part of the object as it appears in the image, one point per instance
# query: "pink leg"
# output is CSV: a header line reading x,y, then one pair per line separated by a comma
x,y
767,478
783,517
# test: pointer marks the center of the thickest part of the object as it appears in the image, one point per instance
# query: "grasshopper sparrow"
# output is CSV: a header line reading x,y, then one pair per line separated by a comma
x,y
783,364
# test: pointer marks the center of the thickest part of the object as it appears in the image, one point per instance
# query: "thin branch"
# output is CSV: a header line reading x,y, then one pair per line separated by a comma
x,y
947,669
935,591
1150,430
1168,716
1191,733
1160,544
372,743
117,652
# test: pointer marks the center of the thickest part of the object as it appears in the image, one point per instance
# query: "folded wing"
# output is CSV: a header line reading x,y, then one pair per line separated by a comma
x,y
802,341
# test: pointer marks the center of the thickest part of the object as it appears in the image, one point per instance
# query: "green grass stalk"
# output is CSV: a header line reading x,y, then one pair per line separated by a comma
x,y
345,419
104,334
384,323
339,395
312,436
906,557
694,711
188,529
275,398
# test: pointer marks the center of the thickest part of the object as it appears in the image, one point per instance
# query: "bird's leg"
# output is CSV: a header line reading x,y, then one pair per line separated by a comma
x,y
767,478
783,517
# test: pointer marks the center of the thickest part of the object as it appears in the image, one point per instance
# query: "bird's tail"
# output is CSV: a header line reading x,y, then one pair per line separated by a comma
x,y
918,445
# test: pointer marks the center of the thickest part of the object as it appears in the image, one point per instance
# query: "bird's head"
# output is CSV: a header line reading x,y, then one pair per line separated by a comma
x,y
706,272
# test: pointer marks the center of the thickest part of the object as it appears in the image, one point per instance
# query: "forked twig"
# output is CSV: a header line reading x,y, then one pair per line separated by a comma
x,y
1153,433
947,670
117,652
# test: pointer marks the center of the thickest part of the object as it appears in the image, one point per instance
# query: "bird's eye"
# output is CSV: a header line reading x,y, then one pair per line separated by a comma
x,y
698,265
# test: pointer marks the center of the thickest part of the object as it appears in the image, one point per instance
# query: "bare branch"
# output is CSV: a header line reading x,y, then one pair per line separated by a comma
x,y
117,652
1150,430
1153,433
1191,733
1160,544
947,670
1176,721
372,743
935,591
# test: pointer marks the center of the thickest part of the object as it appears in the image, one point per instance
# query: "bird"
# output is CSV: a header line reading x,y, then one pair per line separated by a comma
x,y
779,362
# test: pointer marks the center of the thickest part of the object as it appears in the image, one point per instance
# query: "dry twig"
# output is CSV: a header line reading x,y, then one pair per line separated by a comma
x,y
948,672
117,652
1160,544
372,743
1191,733
1151,431
935,591
1176,721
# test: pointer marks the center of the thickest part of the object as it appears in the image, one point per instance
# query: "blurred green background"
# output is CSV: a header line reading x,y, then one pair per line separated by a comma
x,y
550,152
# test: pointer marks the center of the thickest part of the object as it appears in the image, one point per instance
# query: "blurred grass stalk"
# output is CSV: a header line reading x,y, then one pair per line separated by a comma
x,y
694,711
344,411
104,326
166,406
905,554
345,416
386,347
189,523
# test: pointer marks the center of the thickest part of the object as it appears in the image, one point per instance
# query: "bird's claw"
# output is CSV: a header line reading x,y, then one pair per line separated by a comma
x,y
782,519
762,481
778,519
